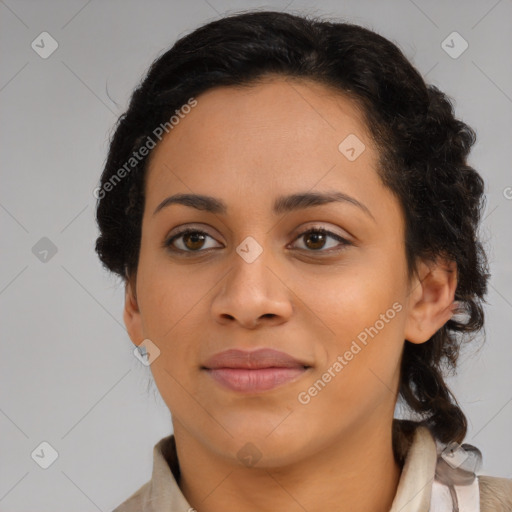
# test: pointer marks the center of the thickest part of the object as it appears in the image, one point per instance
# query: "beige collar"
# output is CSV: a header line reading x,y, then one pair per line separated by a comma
x,y
415,485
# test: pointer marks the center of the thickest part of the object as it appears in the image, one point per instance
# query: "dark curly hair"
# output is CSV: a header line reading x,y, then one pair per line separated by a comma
x,y
422,149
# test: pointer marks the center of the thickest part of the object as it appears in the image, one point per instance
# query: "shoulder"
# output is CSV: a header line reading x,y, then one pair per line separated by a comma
x,y
137,501
495,494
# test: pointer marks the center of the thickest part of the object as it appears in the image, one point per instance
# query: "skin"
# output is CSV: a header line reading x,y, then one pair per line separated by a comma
x,y
247,146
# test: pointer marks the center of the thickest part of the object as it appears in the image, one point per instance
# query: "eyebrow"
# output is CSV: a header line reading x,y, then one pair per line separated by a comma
x,y
283,204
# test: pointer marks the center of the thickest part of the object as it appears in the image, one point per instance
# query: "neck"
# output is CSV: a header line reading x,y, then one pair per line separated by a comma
x,y
357,473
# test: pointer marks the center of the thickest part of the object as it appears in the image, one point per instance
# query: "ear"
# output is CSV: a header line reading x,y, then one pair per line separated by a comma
x,y
431,299
131,315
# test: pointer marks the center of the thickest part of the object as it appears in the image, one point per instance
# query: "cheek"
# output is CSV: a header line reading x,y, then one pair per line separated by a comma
x,y
361,367
169,305
168,293
362,304
353,297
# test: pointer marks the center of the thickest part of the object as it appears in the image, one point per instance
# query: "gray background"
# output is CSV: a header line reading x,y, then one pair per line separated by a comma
x,y
69,376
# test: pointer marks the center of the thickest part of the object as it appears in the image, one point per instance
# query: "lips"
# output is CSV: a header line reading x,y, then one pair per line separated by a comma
x,y
254,371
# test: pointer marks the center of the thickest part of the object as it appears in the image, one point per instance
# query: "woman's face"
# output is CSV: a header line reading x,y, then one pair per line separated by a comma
x,y
253,278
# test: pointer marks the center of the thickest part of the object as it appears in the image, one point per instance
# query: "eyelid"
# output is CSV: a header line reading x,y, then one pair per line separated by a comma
x,y
343,241
168,240
301,230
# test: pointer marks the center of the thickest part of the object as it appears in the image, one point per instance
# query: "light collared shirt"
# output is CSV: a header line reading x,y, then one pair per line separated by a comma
x,y
418,490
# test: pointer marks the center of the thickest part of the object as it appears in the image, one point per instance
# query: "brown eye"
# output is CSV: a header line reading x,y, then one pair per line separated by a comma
x,y
317,238
188,240
193,241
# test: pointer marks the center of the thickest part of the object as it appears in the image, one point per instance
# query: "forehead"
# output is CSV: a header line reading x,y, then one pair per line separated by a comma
x,y
296,109
278,132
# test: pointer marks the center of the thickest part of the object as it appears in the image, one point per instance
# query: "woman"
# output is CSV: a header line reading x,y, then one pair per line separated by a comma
x,y
291,210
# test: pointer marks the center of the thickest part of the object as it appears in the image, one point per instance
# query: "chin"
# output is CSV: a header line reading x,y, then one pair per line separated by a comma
x,y
264,444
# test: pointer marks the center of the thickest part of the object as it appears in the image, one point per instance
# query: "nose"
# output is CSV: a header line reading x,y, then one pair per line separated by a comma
x,y
252,294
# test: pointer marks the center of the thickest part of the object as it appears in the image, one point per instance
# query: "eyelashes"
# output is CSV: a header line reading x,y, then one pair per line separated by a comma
x,y
198,236
186,232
